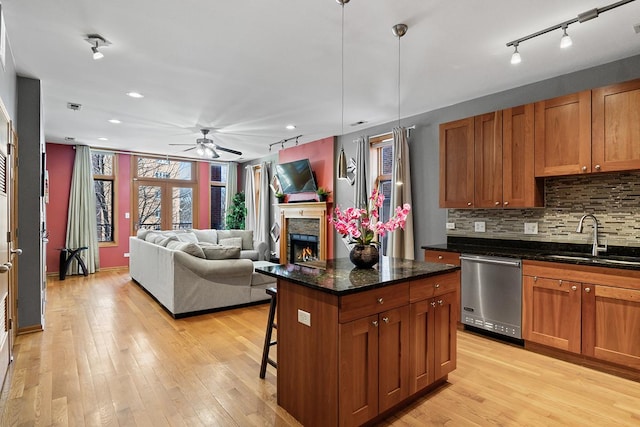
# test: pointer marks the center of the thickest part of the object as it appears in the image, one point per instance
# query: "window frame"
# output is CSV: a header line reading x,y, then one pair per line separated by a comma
x,y
114,194
224,184
376,145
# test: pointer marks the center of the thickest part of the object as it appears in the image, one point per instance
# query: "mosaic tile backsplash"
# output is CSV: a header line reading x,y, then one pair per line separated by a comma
x,y
613,198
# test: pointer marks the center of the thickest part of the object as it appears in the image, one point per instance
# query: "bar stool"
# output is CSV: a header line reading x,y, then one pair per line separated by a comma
x,y
271,325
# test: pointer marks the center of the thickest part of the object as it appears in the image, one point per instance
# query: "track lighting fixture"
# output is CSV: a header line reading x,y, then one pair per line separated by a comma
x,y
284,141
566,40
97,41
515,58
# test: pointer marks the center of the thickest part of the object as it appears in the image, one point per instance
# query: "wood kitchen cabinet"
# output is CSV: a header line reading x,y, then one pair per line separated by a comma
x,y
563,135
443,257
616,127
456,164
592,311
433,329
488,160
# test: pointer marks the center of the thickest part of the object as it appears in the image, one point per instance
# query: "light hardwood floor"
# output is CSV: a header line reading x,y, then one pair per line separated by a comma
x,y
111,356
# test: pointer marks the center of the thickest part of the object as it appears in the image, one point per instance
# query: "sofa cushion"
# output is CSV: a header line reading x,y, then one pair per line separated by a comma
x,y
250,254
246,235
209,236
151,236
187,237
165,240
186,247
220,252
142,233
234,242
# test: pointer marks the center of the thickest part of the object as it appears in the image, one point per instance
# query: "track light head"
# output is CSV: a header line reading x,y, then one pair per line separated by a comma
x,y
565,41
515,58
97,41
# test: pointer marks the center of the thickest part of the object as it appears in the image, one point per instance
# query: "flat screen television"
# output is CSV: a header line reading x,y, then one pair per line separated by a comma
x,y
296,177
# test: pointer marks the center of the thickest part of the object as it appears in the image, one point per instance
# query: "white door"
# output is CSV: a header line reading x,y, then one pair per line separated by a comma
x,y
5,265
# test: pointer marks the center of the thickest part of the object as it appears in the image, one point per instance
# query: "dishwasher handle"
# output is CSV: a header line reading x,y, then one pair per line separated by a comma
x,y
489,260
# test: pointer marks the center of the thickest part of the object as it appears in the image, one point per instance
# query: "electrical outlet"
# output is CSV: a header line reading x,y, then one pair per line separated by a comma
x,y
451,226
126,254
304,317
126,215
530,228
479,226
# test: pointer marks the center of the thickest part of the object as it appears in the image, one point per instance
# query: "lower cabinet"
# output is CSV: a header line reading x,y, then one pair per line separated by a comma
x,y
590,311
374,365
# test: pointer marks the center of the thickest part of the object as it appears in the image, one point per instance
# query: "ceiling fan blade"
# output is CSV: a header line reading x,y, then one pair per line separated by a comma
x,y
189,149
180,144
229,150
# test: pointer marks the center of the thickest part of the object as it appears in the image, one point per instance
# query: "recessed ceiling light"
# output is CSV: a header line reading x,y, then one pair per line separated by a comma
x,y
135,94
291,127
69,138
103,139
116,121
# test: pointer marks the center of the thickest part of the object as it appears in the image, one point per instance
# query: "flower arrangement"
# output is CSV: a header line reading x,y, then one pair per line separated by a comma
x,y
364,225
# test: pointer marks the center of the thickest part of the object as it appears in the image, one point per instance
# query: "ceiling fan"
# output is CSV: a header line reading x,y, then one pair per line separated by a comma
x,y
205,147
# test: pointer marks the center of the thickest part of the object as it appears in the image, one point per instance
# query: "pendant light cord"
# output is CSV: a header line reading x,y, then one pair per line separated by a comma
x,y
342,73
399,80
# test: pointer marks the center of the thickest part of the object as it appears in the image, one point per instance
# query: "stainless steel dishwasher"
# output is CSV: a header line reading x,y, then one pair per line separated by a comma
x,y
491,294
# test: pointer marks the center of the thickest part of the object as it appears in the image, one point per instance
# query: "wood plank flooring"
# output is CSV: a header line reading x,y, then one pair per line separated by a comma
x,y
110,356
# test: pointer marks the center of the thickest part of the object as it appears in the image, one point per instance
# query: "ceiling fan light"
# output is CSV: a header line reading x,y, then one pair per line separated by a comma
x,y
200,150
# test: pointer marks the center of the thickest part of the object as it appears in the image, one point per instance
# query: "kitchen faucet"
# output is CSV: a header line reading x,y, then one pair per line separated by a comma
x,y
596,248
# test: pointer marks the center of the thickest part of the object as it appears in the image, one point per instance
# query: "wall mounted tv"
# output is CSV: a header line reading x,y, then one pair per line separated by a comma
x,y
296,177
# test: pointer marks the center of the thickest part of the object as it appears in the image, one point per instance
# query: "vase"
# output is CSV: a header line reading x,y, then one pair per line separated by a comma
x,y
364,256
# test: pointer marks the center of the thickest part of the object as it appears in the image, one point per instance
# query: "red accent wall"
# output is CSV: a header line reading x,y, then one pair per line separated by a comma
x,y
60,159
320,154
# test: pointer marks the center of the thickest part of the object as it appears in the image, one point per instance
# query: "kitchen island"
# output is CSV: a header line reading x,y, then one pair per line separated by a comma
x,y
355,345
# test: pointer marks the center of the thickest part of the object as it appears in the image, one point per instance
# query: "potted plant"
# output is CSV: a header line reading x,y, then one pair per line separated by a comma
x,y
322,193
279,196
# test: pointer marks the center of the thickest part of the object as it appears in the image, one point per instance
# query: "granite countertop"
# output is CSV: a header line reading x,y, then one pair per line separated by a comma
x,y
624,257
339,277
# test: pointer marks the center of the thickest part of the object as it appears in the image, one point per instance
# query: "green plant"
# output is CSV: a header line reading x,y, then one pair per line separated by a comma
x,y
236,213
321,191
279,195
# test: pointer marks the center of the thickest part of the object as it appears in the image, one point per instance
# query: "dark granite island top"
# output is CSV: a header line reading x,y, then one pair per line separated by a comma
x,y
339,277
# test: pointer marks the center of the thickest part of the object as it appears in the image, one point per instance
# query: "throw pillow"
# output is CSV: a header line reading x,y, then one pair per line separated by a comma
x,y
209,236
220,252
166,240
142,233
175,244
246,235
151,236
187,237
234,242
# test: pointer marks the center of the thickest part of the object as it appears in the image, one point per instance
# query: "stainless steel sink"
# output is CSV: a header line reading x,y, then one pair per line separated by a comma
x,y
594,260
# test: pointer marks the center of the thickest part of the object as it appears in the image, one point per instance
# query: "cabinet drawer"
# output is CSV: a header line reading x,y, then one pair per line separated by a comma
x,y
442,257
366,303
434,286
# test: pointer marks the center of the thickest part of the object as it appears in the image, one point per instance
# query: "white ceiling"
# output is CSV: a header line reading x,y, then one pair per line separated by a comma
x,y
246,69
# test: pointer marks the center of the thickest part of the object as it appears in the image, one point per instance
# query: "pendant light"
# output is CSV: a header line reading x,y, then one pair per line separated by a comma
x,y
399,30
342,159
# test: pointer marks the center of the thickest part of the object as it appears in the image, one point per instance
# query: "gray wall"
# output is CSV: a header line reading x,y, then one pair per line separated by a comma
x,y
429,219
30,147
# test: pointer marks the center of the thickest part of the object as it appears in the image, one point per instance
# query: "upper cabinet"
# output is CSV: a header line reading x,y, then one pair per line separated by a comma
x,y
616,127
488,160
456,164
563,135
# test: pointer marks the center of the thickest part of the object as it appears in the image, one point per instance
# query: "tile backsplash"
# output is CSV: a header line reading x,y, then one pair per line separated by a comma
x,y
614,198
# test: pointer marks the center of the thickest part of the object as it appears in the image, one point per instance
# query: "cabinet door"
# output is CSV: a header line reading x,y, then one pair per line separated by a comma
x,y
563,135
358,372
422,344
456,164
520,188
488,161
616,127
551,312
393,354
442,257
445,343
611,324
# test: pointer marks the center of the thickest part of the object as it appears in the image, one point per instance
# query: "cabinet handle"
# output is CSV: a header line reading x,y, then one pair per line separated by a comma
x,y
506,203
574,288
440,257
535,278
584,169
597,167
497,203
559,282
440,302
375,323
468,203
380,300
587,290
433,303
385,319
4,267
437,285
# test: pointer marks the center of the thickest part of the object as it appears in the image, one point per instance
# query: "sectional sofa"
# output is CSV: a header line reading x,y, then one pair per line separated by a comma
x,y
194,271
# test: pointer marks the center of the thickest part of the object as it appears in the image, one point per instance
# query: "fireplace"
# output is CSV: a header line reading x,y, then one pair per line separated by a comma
x,y
305,218
303,247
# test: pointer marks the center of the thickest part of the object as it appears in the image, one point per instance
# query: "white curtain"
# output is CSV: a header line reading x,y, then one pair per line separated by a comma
x,y
264,204
361,195
251,220
82,229
399,242
232,185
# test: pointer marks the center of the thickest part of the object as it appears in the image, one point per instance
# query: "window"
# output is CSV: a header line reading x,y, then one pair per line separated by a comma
x,y
164,192
382,153
218,184
104,178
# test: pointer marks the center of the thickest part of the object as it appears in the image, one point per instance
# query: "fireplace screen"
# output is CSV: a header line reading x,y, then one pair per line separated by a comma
x,y
304,247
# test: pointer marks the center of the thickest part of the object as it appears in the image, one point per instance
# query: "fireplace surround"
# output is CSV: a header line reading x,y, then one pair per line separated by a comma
x,y
316,211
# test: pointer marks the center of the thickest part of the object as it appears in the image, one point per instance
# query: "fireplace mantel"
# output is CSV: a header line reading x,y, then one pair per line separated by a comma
x,y
306,210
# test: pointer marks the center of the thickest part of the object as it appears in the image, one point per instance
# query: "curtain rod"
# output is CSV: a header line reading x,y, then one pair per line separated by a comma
x,y
408,128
